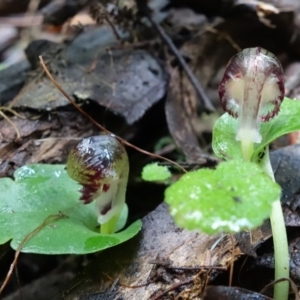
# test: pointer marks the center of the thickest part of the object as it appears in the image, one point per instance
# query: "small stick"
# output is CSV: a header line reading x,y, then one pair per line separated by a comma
x,y
11,123
174,287
127,286
31,10
226,36
112,26
168,267
29,236
100,126
22,20
232,263
208,106
12,111
292,283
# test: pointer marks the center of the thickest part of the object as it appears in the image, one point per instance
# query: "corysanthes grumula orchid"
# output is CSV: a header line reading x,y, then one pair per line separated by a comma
x,y
100,165
252,90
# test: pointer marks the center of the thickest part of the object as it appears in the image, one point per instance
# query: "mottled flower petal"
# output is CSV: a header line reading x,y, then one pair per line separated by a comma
x,y
100,165
252,90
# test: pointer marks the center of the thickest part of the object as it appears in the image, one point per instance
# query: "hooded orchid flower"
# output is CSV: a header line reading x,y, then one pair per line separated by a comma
x,y
252,90
100,165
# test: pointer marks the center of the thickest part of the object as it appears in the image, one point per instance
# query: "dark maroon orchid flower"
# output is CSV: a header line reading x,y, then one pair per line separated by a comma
x,y
100,165
252,90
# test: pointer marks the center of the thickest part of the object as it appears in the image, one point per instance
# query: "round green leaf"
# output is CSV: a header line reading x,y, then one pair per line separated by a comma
x,y
236,196
46,192
154,172
227,147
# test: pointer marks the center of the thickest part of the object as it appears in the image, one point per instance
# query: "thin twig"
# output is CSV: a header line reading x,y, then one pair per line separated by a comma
x,y
54,138
112,26
11,123
22,21
208,106
292,283
99,125
225,36
12,111
29,236
173,287
198,268
232,263
32,8
128,286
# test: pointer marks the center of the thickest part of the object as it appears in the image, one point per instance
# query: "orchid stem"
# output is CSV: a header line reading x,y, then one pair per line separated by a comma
x,y
247,149
281,250
110,226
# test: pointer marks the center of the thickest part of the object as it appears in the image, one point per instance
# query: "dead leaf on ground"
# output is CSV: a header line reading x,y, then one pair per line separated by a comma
x,y
179,120
231,293
46,138
127,82
158,258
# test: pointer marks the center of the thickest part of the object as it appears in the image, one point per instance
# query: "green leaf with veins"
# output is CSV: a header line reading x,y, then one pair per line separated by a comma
x,y
154,172
237,195
227,147
40,191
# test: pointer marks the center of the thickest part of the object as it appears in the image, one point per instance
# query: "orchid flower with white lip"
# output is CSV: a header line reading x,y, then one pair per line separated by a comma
x,y
252,90
100,165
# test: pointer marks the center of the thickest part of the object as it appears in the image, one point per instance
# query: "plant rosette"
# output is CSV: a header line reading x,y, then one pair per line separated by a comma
x,y
43,199
241,192
252,91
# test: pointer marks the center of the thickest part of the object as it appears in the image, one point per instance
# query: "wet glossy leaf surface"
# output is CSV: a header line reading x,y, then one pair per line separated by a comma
x,y
235,196
226,146
286,165
40,191
154,172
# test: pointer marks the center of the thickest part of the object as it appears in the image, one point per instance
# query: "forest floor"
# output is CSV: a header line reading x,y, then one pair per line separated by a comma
x,y
148,74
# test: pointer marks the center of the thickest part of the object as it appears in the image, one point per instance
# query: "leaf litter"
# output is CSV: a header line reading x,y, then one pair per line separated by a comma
x,y
55,125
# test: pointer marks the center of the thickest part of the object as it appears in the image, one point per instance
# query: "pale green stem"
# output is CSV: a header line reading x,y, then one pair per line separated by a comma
x,y
281,250
110,226
247,149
